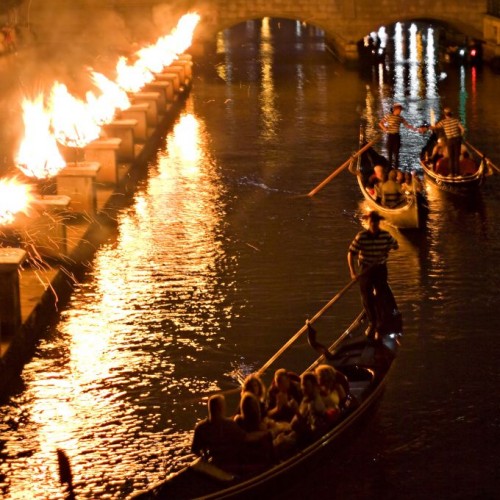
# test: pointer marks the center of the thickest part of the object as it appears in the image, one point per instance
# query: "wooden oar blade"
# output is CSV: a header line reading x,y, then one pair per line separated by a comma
x,y
490,166
341,168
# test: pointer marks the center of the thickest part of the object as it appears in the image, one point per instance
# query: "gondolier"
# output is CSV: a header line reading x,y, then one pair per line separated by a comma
x,y
453,131
391,125
372,247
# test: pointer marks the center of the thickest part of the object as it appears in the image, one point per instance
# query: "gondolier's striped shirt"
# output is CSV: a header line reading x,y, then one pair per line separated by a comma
x,y
373,248
451,127
393,123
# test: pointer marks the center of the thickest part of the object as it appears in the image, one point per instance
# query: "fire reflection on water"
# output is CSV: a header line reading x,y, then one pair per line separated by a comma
x,y
270,115
107,396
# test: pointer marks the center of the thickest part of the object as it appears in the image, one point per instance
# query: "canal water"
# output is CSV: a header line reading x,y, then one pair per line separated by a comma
x,y
220,257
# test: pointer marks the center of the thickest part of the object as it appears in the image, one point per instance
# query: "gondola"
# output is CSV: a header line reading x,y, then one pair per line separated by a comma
x,y
409,214
365,362
459,184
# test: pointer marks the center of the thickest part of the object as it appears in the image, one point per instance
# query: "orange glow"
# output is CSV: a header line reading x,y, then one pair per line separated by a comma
x,y
38,154
183,143
15,197
103,108
72,120
152,59
132,77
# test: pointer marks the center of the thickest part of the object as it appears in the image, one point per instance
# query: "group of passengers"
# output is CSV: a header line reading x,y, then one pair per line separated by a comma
x,y
389,187
440,160
272,423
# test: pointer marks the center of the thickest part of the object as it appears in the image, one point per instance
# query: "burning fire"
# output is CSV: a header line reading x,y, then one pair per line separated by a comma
x,y
113,97
38,154
132,77
15,197
154,58
74,122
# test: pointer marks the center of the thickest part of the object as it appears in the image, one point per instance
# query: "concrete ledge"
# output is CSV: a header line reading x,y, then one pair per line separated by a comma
x,y
104,152
153,99
138,112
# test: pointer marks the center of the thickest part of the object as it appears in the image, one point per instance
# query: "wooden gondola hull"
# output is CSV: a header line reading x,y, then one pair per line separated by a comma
x,y
460,184
365,362
409,214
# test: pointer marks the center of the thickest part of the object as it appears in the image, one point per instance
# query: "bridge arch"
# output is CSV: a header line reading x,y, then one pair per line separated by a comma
x,y
344,22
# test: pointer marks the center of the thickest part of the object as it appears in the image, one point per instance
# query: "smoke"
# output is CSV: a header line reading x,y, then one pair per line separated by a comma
x,y
62,41
75,35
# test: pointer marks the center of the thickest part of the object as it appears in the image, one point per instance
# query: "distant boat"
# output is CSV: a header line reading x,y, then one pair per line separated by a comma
x,y
458,184
408,214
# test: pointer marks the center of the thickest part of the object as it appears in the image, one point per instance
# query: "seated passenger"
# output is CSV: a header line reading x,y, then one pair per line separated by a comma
x,y
285,396
378,174
375,181
328,391
221,439
407,185
334,386
371,188
392,192
310,421
254,384
250,419
443,166
400,176
439,151
412,183
467,165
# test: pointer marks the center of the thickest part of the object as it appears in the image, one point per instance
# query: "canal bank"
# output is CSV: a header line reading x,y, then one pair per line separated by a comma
x,y
36,280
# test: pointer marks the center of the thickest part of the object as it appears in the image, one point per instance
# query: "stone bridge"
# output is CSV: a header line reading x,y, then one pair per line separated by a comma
x,y
344,22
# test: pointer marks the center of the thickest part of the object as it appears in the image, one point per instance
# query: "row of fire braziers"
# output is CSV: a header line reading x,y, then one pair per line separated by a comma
x,y
83,187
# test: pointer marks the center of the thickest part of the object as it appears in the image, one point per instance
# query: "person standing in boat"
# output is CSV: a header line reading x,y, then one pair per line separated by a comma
x,y
453,132
391,125
371,247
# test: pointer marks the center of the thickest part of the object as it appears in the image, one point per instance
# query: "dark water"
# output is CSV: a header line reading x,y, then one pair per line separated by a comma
x,y
221,257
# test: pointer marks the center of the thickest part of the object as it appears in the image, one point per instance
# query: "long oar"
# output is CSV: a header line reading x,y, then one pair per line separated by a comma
x,y
295,337
490,163
339,169
304,328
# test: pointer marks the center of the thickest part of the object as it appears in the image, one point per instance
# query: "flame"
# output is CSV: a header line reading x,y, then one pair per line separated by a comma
x,y
72,121
183,34
103,108
132,77
38,154
15,197
154,58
